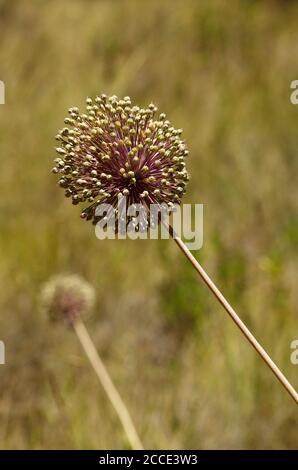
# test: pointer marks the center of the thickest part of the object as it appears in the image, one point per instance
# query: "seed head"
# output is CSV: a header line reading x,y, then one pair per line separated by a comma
x,y
67,297
117,149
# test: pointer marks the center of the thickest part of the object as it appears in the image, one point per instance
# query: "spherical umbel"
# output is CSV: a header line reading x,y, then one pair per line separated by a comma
x,y
67,298
117,149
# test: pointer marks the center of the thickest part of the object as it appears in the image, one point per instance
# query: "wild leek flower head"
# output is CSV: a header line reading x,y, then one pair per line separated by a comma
x,y
67,298
117,149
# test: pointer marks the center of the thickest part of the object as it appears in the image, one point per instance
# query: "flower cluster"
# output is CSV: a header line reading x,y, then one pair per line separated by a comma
x,y
116,149
67,297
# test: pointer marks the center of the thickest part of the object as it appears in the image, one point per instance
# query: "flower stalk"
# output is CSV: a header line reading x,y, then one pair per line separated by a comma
x,y
108,385
229,309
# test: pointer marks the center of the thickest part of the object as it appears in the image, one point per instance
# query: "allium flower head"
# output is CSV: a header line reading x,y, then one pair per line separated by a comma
x,y
67,297
117,149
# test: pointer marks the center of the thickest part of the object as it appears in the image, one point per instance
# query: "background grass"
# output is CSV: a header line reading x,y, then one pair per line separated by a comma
x,y
221,70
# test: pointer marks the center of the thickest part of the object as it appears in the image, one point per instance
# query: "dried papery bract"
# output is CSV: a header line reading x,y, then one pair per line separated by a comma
x,y
68,298
115,149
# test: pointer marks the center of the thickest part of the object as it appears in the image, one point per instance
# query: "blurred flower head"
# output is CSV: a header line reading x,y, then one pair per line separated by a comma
x,y
67,298
117,149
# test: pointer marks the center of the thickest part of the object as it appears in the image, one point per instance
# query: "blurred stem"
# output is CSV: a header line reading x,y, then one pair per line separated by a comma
x,y
249,336
108,385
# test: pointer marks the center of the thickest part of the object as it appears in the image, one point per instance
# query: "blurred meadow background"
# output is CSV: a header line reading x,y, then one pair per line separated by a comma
x,y
221,70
